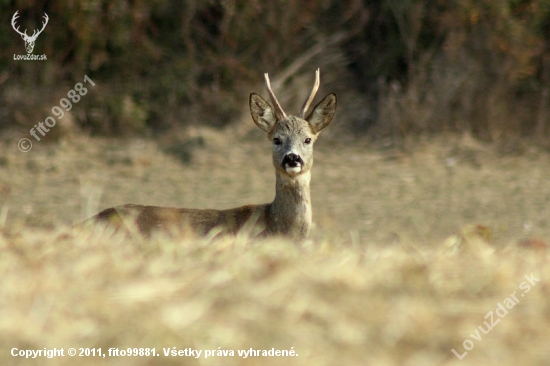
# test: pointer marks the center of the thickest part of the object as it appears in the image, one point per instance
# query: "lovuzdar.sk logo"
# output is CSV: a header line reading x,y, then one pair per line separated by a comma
x,y
29,40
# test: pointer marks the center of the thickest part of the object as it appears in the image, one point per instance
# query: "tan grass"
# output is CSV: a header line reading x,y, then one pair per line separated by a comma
x,y
426,191
335,303
412,249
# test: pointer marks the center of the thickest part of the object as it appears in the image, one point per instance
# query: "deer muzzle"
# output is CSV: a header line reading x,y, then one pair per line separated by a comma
x,y
292,163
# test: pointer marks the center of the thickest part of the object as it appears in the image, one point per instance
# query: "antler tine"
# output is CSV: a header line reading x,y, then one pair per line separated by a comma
x,y
46,18
307,103
278,110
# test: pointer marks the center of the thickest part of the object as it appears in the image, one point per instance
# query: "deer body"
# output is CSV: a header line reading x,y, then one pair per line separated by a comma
x,y
290,212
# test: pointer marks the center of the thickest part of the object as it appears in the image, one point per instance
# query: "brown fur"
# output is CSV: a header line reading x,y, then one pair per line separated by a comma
x,y
148,219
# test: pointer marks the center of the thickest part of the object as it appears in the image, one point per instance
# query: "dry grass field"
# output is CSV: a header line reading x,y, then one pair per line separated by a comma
x,y
416,252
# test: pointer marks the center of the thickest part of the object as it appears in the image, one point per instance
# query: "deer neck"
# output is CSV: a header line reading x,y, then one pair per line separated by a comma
x,y
291,209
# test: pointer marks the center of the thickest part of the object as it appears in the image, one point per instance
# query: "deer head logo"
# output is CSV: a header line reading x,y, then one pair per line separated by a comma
x,y
29,40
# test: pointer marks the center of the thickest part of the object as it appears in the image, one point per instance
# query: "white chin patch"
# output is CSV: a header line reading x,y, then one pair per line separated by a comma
x,y
293,169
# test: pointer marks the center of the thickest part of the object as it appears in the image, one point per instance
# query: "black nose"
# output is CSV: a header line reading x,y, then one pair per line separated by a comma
x,y
292,160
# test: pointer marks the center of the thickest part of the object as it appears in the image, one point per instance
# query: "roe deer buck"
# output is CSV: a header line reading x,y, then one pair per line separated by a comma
x,y
290,212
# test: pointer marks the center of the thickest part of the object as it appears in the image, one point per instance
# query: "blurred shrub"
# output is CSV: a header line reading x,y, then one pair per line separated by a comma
x,y
177,62
480,66
399,66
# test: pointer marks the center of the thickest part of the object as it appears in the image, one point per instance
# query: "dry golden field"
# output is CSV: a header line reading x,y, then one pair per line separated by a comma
x,y
417,250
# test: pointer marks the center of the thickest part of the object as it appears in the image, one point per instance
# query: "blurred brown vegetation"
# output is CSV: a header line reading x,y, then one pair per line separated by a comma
x,y
399,66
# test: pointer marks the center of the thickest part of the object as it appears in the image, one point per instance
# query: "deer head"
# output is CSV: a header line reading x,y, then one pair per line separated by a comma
x,y
292,136
29,40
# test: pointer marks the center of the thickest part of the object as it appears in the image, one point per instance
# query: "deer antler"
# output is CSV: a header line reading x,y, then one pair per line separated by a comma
x,y
279,113
13,19
43,26
307,103
24,34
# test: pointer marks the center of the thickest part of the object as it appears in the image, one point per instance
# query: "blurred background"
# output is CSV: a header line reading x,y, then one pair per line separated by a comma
x,y
443,110
399,67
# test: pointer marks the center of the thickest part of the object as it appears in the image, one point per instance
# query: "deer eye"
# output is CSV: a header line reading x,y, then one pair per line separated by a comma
x,y
308,141
277,141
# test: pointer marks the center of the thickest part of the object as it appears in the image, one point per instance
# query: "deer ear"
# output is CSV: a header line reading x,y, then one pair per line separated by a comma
x,y
262,114
322,114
